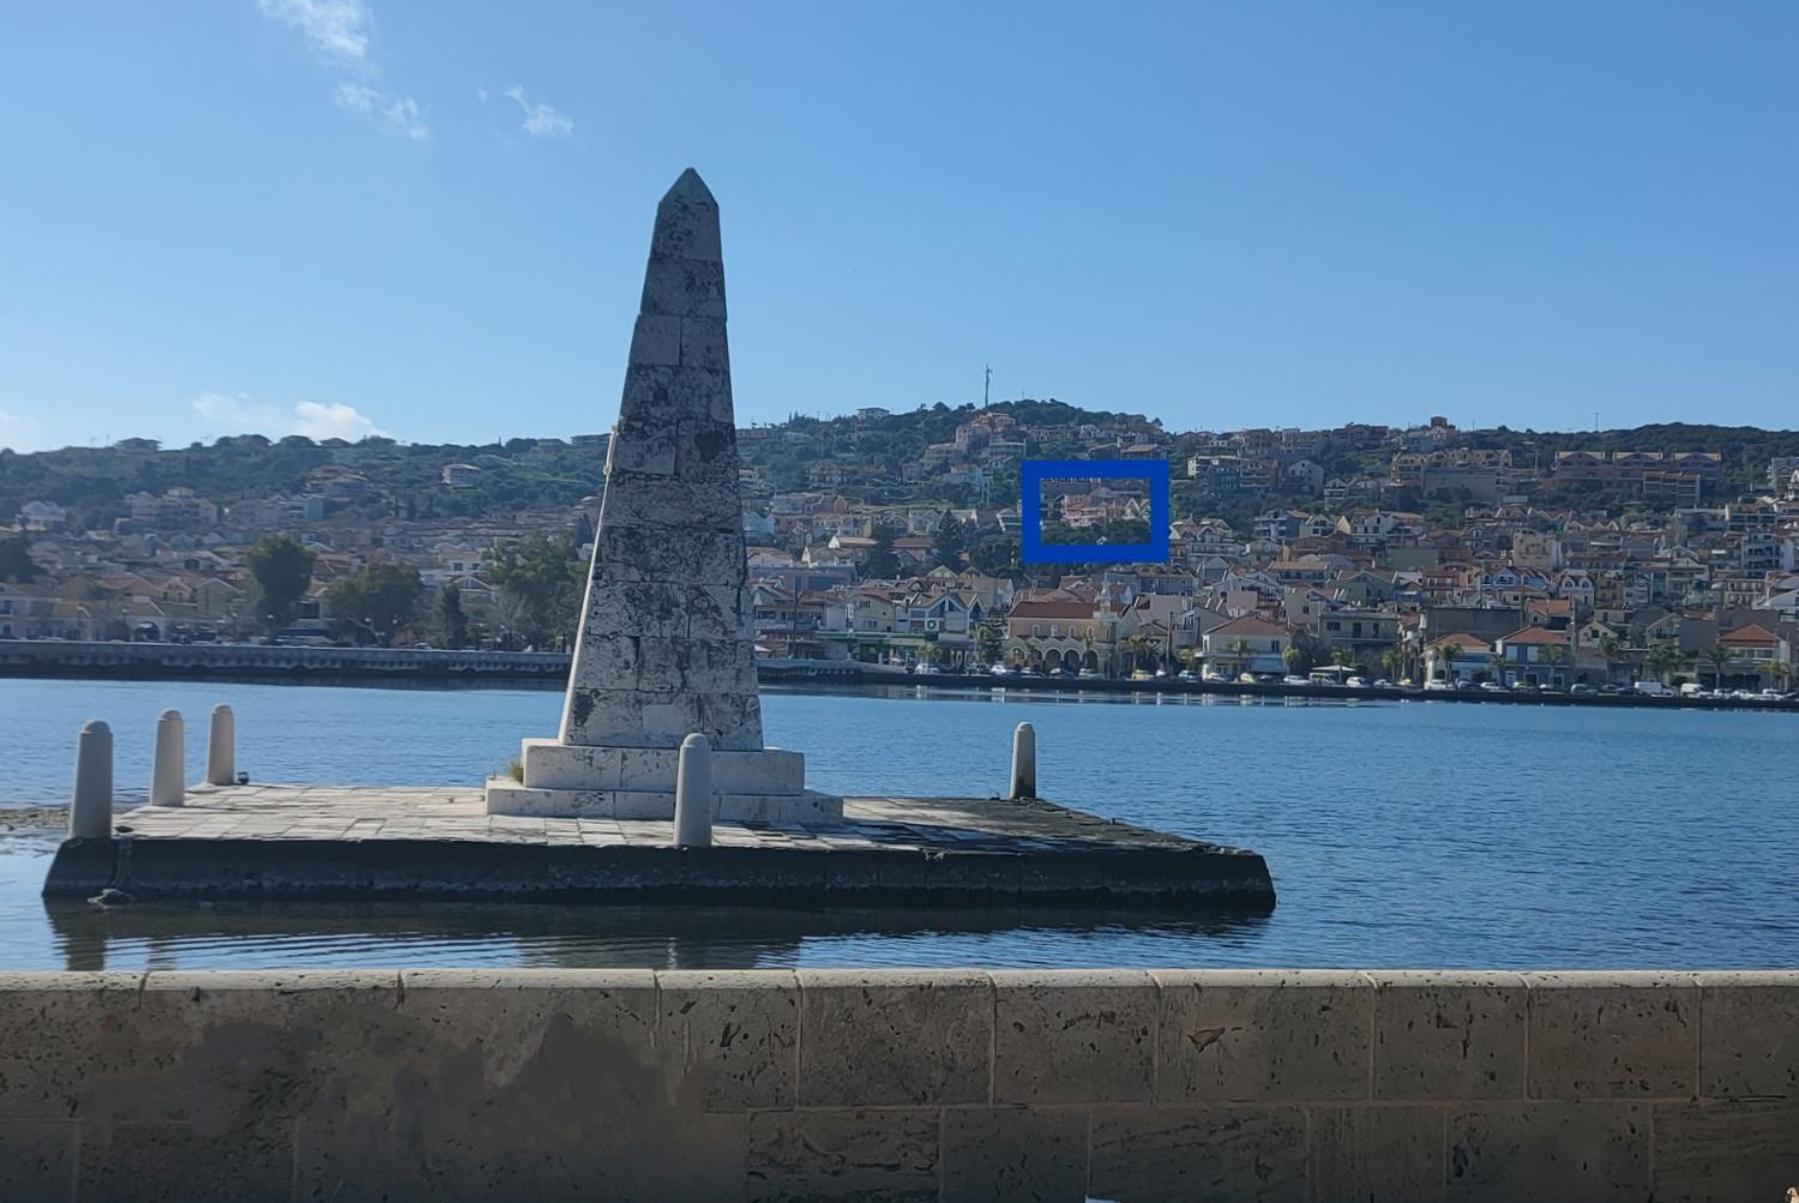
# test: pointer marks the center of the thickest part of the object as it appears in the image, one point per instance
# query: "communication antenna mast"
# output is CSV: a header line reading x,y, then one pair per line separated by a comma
x,y
987,388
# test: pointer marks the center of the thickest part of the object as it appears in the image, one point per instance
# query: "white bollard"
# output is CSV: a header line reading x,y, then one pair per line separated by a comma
x,y
1024,762
90,811
168,786
693,793
221,747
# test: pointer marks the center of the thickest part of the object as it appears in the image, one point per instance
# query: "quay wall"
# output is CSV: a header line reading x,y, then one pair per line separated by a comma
x,y
916,1085
261,663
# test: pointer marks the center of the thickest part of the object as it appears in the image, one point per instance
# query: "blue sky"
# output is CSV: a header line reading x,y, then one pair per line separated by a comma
x,y
331,216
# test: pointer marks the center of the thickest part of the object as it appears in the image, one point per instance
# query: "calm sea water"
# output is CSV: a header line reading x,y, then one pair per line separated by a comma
x,y
1399,834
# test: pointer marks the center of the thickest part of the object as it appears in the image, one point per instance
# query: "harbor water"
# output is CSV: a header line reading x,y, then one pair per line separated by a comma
x,y
1399,834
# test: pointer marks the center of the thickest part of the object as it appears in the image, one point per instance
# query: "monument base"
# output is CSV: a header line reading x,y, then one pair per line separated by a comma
x,y
766,785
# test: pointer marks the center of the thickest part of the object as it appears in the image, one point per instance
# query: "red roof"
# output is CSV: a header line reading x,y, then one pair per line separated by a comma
x,y
1753,635
1535,634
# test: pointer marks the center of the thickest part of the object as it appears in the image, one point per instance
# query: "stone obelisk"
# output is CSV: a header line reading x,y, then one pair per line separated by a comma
x,y
666,647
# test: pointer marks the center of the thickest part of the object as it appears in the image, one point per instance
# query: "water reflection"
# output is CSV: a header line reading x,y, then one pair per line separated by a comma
x,y
406,935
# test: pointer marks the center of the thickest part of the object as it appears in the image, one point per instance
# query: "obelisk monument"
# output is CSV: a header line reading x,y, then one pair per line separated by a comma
x,y
666,645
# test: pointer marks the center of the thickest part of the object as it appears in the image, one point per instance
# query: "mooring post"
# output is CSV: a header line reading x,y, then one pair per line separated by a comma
x,y
693,793
167,767
1024,762
90,811
221,747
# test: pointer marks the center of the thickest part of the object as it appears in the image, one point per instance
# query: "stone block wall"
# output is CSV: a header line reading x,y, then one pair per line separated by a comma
x,y
928,1085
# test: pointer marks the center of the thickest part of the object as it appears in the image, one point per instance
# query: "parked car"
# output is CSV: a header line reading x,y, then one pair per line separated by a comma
x,y
1356,683
1294,679
1092,674
1000,670
1580,687
1438,685
1246,679
1491,687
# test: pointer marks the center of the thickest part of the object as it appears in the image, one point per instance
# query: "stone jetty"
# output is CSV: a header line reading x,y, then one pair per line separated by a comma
x,y
666,646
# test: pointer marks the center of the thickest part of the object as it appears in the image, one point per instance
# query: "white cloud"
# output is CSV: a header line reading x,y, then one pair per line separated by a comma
x,y
338,30
236,413
541,120
19,433
400,114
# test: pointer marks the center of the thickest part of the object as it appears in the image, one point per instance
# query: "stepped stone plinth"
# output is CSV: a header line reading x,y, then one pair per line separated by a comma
x,y
666,646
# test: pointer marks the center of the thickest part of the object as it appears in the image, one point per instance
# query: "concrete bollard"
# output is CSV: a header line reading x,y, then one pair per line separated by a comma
x,y
693,793
1024,762
168,771
221,747
90,811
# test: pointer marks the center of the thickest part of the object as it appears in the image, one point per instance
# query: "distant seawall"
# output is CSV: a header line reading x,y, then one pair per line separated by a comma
x,y
322,665
938,1085
263,663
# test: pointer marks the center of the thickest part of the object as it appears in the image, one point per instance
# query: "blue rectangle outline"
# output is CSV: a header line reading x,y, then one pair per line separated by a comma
x,y
1033,550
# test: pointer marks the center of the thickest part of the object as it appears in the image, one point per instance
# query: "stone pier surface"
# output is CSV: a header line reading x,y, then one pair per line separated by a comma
x,y
290,841
666,646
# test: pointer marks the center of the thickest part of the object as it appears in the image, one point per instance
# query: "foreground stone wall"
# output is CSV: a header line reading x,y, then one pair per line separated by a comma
x,y
907,1085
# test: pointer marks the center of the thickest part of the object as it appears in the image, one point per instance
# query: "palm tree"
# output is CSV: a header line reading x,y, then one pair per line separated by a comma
x,y
1446,655
1391,660
1663,658
1553,656
1719,655
1139,650
1341,657
1291,656
1240,649
1609,647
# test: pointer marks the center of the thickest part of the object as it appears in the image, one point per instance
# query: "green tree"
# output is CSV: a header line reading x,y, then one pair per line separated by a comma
x,y
540,580
882,563
452,623
282,571
380,599
995,555
16,563
951,542
1446,654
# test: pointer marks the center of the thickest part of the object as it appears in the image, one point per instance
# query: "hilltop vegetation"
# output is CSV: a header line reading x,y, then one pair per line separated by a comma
x,y
874,456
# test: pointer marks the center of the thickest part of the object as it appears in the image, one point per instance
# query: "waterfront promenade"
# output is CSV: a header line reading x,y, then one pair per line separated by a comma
x,y
262,663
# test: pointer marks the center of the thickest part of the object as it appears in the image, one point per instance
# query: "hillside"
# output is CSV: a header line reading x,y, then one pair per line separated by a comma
x,y
872,456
